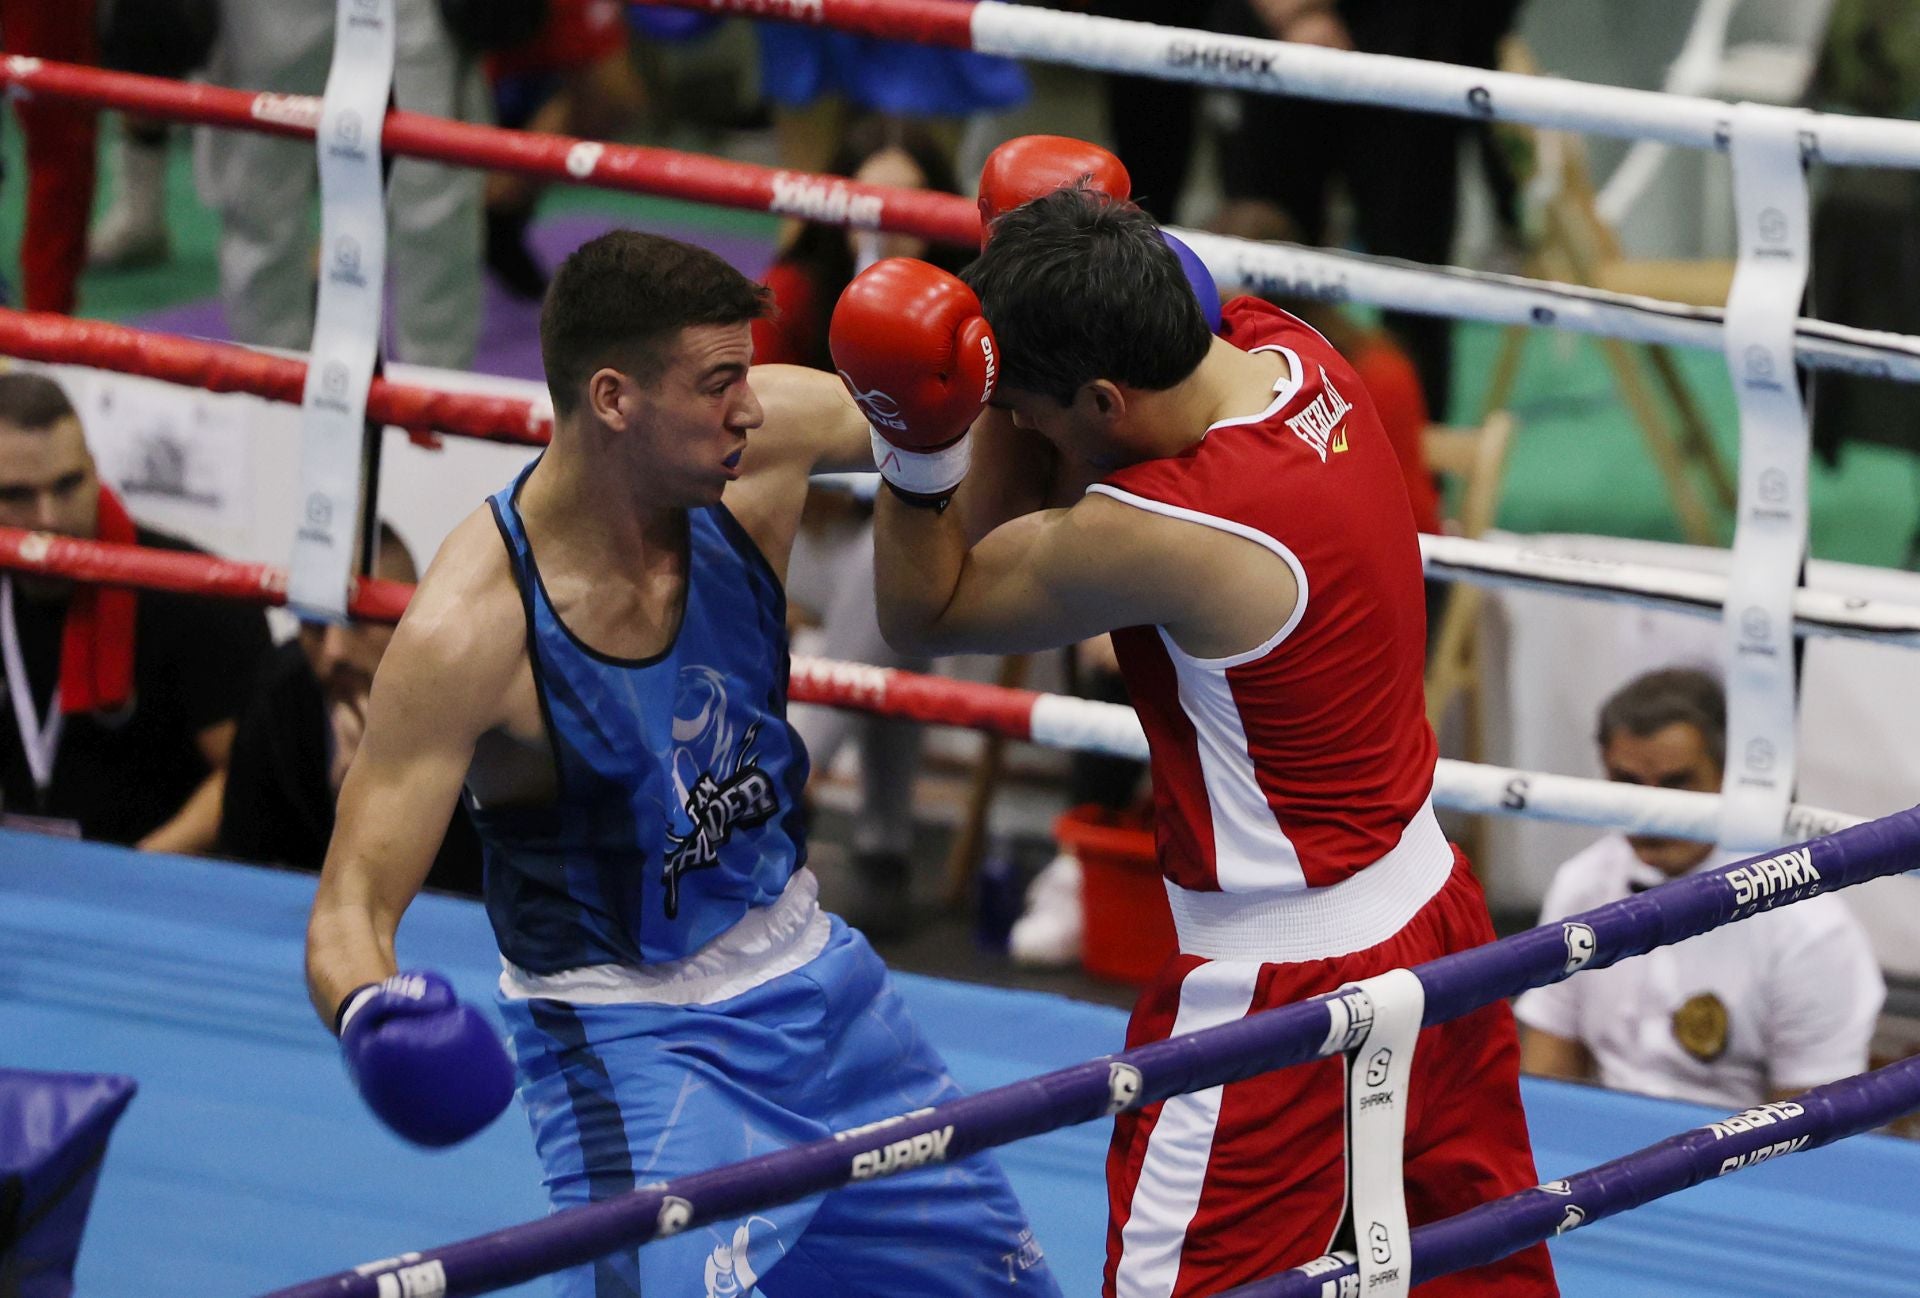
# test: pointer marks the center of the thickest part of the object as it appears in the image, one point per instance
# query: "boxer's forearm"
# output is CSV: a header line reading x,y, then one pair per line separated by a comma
x,y
918,557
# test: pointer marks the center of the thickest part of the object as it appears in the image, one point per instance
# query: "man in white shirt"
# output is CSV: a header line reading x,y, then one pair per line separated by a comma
x,y
1754,1011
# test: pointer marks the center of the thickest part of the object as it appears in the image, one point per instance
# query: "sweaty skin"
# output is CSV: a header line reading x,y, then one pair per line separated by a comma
x,y
455,702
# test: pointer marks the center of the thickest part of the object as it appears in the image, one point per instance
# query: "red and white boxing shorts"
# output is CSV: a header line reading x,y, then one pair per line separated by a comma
x,y
1229,1184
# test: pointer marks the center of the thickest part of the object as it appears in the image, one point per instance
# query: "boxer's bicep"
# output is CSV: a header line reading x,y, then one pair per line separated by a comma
x,y
439,687
1058,577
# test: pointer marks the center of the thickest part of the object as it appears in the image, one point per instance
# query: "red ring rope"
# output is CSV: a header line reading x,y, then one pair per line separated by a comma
x,y
994,708
44,554
945,218
224,367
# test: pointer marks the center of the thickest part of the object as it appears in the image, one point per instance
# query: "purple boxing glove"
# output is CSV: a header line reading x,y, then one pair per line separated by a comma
x,y
430,1067
1200,277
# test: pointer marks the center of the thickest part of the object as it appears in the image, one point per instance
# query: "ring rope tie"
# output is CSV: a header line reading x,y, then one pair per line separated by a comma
x,y
1504,1226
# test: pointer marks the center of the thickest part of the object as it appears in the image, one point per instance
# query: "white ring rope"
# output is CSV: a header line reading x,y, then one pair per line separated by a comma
x,y
1278,67
1824,613
1290,270
1087,725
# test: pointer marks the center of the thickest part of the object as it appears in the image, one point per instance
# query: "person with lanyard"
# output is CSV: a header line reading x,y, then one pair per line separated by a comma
x,y
123,704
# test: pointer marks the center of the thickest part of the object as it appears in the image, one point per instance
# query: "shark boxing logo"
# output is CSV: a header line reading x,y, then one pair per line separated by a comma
x,y
674,1215
1123,1086
1581,944
1764,884
714,805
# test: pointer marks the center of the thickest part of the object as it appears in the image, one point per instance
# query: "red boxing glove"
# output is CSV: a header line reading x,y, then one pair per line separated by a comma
x,y
911,345
1028,166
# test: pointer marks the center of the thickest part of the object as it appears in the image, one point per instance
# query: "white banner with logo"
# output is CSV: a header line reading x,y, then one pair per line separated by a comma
x,y
1770,536
346,325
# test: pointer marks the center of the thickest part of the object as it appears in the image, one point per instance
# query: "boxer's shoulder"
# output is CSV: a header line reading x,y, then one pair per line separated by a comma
x,y
467,615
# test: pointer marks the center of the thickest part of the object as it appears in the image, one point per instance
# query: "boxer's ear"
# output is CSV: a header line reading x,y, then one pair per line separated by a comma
x,y
1102,399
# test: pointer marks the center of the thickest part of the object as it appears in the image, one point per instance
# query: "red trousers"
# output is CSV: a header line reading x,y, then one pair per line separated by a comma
x,y
1250,1178
60,151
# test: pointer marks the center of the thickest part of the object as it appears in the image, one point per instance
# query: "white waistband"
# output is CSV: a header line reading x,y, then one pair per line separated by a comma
x,y
1317,923
765,943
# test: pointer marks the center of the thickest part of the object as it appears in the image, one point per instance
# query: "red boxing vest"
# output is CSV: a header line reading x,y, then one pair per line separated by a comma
x,y
1304,760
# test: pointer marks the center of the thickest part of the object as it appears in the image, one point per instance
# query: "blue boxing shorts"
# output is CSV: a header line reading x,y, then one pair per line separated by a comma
x,y
624,1094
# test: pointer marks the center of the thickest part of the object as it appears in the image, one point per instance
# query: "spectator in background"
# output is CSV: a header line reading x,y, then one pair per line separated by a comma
x,y
59,138
831,572
299,733
814,78
156,38
1866,227
573,77
263,186
1755,1011
1400,168
123,703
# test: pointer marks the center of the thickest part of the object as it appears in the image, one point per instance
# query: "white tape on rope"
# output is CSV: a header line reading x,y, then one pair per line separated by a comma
x,y
1087,725
346,324
1276,67
1770,538
1376,1024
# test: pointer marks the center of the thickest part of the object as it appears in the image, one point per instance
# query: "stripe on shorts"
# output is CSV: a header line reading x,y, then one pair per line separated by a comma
x,y
596,1116
1180,1147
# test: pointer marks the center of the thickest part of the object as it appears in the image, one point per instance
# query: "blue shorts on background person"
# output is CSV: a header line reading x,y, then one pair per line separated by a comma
x,y
801,64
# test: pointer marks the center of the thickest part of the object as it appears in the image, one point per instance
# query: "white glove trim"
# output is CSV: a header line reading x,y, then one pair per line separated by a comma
x,y
924,473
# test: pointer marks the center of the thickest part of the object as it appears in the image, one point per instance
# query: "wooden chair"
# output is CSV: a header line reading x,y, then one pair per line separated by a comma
x,y
1475,459
1575,245
970,837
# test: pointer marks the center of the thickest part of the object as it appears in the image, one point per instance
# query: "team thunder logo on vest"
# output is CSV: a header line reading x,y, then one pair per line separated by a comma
x,y
715,804
1319,425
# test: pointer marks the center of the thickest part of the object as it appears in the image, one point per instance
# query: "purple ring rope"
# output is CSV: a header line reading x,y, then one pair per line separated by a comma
x,y
1506,1225
1291,1034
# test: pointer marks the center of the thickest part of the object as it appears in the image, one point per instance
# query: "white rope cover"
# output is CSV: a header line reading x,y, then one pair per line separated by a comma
x,y
1817,612
1277,67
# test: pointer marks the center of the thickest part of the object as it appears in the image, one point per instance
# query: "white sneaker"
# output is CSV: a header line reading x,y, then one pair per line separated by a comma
x,y
133,230
1048,933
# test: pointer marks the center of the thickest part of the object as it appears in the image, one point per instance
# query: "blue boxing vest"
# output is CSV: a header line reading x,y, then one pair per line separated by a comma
x,y
678,807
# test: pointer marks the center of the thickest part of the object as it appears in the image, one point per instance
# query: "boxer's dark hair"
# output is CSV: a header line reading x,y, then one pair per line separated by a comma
x,y
1080,286
621,299
32,402
1649,704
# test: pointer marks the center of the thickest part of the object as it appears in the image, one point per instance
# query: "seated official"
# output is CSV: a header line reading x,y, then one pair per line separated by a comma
x,y
121,702
298,735
1754,1011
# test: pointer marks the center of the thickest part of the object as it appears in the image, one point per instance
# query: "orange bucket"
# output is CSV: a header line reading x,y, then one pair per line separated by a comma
x,y
1129,930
